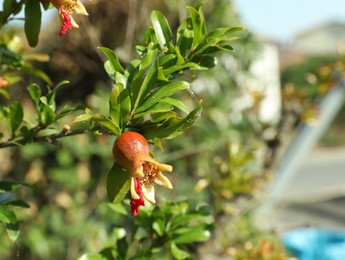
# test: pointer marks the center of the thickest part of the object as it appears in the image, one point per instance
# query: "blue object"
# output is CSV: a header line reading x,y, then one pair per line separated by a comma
x,y
315,244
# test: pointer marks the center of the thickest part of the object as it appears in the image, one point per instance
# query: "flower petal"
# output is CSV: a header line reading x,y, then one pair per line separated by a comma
x,y
134,193
80,9
162,180
149,193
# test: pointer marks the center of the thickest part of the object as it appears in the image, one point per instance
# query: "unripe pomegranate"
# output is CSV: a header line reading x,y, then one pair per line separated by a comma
x,y
131,151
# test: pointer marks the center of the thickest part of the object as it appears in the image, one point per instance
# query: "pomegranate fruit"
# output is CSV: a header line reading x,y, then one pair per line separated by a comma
x,y
131,151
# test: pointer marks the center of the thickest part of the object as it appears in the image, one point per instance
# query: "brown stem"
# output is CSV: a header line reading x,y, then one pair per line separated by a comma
x,y
45,138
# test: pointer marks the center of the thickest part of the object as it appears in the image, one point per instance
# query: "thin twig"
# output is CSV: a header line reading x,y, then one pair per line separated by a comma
x,y
45,138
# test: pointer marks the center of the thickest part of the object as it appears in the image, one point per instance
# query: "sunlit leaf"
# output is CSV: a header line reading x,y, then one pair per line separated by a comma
x,y
106,123
187,235
178,253
165,91
142,83
119,105
172,127
199,25
187,65
113,59
161,28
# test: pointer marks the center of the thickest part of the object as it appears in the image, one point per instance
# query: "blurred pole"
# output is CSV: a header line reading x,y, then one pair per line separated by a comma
x,y
305,139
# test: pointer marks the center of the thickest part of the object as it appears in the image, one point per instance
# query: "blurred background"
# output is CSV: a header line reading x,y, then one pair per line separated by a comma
x,y
266,155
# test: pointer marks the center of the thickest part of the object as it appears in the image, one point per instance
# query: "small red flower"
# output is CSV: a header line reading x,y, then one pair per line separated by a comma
x,y
66,9
131,151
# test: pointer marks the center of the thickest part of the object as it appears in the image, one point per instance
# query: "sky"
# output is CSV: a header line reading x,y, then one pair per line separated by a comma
x,y
280,20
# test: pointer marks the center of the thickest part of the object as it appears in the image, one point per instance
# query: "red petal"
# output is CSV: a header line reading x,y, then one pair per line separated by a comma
x,y
135,204
66,25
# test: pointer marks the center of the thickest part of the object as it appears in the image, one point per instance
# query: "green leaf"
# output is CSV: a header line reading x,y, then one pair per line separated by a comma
x,y
119,105
161,28
35,93
18,203
185,37
167,60
199,25
160,107
142,83
32,23
46,116
68,110
206,61
187,65
177,103
8,57
150,57
13,231
172,127
106,123
7,216
192,234
15,116
82,118
114,61
6,186
118,184
165,91
178,253
158,226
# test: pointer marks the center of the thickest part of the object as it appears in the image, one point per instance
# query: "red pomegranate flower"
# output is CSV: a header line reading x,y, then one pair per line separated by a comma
x,y
131,151
66,9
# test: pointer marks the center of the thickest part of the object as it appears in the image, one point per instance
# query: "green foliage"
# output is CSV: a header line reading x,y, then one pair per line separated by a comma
x,y
21,130
163,232
7,205
143,97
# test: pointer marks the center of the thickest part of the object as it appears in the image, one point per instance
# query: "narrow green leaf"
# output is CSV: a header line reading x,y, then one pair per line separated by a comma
x,y
178,253
46,116
172,127
192,234
165,91
35,93
114,61
177,103
118,184
161,27
15,116
106,123
185,37
13,231
119,105
199,25
6,186
187,65
68,111
160,107
142,83
206,61
18,203
158,226
82,118
32,23
150,57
